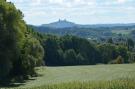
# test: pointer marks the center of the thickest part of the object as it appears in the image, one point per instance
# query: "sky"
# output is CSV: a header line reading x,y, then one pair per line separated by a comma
x,y
39,12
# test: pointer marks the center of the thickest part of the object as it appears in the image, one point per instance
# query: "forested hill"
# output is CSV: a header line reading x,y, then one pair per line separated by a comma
x,y
98,31
68,24
60,24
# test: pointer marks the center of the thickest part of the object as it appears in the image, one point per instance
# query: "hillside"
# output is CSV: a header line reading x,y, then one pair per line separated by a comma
x,y
57,75
60,24
97,31
68,24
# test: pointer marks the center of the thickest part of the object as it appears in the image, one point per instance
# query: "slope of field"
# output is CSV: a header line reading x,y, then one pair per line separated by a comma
x,y
67,74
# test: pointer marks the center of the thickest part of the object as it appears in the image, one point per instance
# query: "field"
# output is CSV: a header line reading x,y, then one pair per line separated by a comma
x,y
83,77
124,32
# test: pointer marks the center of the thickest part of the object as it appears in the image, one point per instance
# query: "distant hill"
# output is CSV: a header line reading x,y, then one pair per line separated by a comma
x,y
67,24
94,31
60,24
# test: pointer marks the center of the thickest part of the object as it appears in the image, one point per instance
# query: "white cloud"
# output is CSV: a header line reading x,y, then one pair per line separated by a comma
x,y
16,1
36,10
121,1
35,2
56,1
31,13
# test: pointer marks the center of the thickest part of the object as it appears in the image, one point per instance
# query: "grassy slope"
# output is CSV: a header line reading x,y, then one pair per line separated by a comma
x,y
57,75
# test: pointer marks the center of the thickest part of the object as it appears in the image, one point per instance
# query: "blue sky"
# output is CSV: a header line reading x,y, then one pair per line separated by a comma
x,y
38,12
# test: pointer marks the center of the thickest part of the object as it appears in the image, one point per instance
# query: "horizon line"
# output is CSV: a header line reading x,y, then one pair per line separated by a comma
x,y
109,23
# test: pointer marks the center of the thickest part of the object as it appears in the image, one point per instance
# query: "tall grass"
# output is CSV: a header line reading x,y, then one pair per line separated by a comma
x,y
113,84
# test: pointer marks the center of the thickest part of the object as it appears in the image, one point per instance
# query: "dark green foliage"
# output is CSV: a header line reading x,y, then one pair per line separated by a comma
x,y
131,57
130,44
20,51
71,50
51,51
68,50
108,52
31,56
70,57
110,40
123,52
10,24
81,59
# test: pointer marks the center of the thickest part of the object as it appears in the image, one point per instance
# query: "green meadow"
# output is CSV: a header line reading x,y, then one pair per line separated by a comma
x,y
83,77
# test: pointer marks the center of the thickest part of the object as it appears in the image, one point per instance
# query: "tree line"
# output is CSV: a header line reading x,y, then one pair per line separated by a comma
x,y
72,50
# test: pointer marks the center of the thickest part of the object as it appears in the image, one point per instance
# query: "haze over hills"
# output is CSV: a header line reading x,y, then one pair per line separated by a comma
x,y
60,24
96,31
68,24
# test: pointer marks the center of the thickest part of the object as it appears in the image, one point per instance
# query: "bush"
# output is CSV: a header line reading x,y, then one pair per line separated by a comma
x,y
119,60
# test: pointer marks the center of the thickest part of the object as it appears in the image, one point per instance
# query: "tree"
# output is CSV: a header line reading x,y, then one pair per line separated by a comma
x,y
119,60
31,56
69,50
108,52
130,44
10,36
80,59
20,51
110,40
123,52
51,46
70,57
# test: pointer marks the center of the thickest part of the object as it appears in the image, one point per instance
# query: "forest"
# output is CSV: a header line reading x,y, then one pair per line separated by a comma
x,y
71,50
22,49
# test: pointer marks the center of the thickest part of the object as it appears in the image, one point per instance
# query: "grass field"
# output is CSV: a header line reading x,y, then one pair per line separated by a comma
x,y
124,32
83,77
